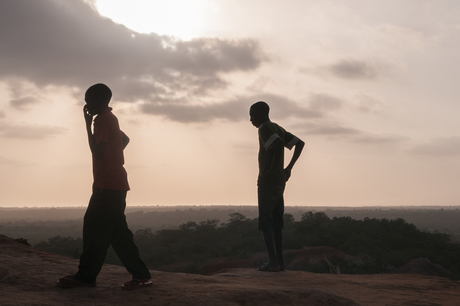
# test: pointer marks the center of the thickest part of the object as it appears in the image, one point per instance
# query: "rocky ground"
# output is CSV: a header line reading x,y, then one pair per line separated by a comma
x,y
28,276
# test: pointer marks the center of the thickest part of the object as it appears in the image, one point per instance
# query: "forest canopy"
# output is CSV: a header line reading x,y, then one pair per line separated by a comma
x,y
386,244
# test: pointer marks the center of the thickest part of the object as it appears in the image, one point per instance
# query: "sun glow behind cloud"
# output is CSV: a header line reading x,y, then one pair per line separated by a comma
x,y
369,86
179,18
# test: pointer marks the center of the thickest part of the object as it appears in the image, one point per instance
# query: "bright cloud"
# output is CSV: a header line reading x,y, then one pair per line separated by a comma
x,y
67,43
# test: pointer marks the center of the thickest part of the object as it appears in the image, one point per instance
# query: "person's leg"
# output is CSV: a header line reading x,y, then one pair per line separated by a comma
x,y
98,226
268,237
278,224
278,237
267,199
123,244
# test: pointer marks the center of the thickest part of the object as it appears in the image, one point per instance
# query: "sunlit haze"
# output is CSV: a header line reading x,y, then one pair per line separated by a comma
x,y
370,86
183,19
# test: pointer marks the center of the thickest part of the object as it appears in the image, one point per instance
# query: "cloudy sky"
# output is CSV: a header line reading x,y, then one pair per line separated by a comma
x,y
370,86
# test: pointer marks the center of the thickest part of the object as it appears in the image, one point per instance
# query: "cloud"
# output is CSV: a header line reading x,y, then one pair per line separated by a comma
x,y
442,146
67,43
327,128
23,94
324,102
368,103
22,103
353,69
334,130
364,102
349,69
30,132
379,139
236,109
2,114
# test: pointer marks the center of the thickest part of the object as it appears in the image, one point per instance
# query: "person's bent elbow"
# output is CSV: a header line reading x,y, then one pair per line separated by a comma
x,y
125,139
300,144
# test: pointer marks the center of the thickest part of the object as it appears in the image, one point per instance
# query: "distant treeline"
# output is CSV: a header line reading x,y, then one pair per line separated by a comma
x,y
39,224
386,244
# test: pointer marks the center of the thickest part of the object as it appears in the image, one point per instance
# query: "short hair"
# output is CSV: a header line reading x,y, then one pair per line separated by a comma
x,y
101,90
261,107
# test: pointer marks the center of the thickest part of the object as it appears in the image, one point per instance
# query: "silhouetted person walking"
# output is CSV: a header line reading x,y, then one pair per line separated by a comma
x,y
272,180
105,220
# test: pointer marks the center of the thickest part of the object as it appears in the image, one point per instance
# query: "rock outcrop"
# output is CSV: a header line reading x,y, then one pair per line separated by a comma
x,y
28,276
426,267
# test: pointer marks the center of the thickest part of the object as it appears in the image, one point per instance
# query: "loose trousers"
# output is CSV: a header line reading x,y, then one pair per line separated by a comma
x,y
104,225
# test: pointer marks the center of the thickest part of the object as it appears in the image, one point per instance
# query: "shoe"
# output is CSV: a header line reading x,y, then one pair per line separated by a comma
x,y
137,284
269,268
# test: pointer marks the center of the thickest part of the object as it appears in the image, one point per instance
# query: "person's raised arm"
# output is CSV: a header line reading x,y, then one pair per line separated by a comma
x,y
295,156
96,149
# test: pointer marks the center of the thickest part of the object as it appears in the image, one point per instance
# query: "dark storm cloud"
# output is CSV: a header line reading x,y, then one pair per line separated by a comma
x,y
30,132
67,43
232,110
442,146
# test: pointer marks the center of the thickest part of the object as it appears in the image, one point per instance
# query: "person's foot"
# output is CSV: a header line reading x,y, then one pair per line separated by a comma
x,y
137,284
282,267
71,281
269,268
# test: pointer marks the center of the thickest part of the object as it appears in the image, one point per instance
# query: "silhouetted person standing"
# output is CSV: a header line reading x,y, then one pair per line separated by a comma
x,y
105,220
272,180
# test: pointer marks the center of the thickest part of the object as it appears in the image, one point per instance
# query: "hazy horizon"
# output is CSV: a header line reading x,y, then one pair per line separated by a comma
x,y
370,86
131,206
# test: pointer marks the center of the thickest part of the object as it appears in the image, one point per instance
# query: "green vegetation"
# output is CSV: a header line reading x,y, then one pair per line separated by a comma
x,y
39,224
387,244
66,246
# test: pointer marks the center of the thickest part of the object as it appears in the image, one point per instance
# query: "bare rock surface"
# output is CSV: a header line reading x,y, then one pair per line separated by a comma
x,y
426,267
300,258
28,277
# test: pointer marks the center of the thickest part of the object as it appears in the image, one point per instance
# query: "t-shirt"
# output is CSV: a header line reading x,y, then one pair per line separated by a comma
x,y
268,133
108,171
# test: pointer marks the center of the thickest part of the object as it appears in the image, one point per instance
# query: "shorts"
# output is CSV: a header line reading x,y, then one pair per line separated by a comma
x,y
271,207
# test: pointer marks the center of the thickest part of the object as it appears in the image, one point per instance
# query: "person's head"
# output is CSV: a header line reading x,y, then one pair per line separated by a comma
x,y
258,113
97,98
